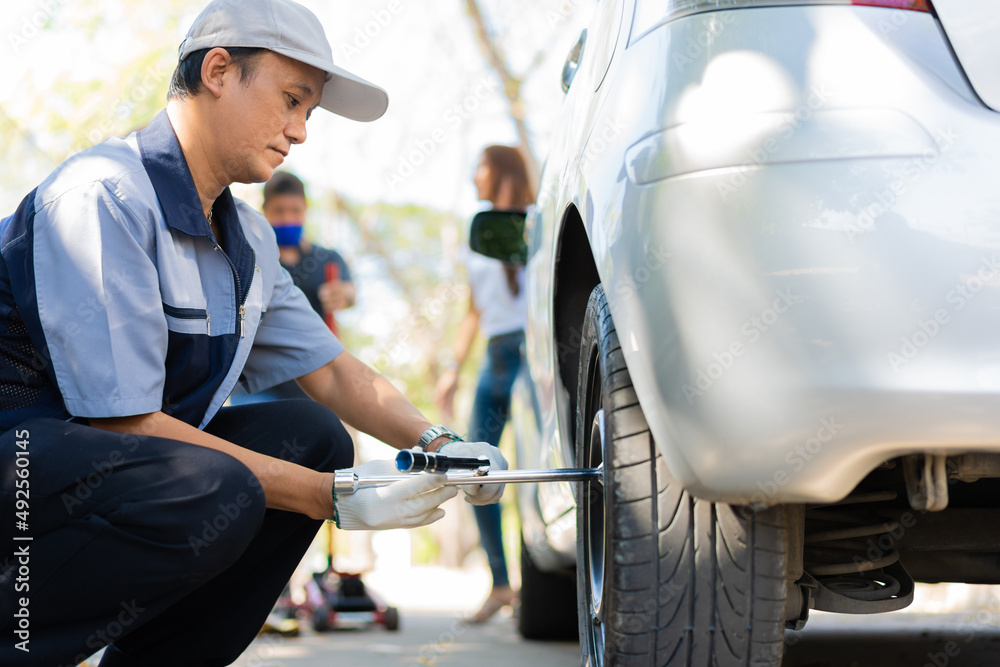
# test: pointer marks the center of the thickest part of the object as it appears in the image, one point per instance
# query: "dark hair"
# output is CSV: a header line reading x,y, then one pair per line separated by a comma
x,y
507,162
186,81
283,183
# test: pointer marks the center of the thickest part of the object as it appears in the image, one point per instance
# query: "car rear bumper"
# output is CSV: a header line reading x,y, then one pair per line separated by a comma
x,y
817,288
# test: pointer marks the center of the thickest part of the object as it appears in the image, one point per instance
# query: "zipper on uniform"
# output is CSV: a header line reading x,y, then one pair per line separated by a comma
x,y
240,303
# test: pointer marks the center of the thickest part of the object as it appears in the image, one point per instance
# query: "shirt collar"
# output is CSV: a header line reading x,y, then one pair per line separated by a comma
x,y
168,171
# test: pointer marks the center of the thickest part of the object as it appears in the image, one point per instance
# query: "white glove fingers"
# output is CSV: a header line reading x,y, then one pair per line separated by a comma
x,y
426,502
480,494
427,518
438,496
416,485
483,494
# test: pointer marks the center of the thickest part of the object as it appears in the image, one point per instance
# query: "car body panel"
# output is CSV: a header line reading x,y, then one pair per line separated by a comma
x,y
799,239
972,27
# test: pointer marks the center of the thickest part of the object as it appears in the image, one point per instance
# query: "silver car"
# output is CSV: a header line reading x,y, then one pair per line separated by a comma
x,y
764,291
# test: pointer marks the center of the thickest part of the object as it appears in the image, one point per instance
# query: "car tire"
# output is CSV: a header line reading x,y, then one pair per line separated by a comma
x,y
321,618
548,602
664,578
391,619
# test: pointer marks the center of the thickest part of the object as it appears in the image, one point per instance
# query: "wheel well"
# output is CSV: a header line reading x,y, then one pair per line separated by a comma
x,y
575,277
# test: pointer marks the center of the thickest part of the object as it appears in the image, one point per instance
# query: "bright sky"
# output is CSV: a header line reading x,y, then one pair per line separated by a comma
x,y
445,104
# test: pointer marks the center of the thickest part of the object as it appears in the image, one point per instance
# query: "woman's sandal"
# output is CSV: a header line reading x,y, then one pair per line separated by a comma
x,y
498,599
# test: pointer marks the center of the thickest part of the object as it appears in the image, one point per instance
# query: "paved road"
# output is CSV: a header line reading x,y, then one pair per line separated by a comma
x,y
946,627
438,640
424,640
432,603
434,640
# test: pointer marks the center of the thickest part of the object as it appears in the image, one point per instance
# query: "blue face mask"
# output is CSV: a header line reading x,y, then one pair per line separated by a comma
x,y
289,234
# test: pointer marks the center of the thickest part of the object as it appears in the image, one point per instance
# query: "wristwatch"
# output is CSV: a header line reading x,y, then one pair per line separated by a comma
x,y
433,433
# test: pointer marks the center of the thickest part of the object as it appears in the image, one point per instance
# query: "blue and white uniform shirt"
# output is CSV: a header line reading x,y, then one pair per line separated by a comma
x,y
116,299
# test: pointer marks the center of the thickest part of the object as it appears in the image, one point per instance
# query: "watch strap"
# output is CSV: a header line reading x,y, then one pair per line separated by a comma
x,y
433,433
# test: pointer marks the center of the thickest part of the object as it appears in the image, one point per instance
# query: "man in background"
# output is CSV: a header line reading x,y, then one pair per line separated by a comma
x,y
285,208
321,273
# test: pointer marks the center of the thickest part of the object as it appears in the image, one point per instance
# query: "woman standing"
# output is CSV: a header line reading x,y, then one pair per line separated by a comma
x,y
497,308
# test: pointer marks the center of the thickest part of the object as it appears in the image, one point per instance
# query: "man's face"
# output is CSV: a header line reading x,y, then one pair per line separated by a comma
x,y
257,123
285,208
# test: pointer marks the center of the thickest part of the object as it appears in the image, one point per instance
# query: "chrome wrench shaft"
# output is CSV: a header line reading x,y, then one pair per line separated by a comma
x,y
347,482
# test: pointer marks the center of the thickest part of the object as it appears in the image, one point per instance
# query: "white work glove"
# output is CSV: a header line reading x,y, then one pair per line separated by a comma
x,y
479,494
406,504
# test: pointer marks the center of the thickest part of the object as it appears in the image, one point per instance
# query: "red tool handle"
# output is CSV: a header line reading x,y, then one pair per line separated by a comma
x,y
332,275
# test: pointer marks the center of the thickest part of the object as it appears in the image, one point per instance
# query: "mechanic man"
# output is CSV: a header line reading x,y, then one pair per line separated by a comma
x,y
135,292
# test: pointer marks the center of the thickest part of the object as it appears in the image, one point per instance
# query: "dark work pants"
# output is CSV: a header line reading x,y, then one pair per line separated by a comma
x,y
160,548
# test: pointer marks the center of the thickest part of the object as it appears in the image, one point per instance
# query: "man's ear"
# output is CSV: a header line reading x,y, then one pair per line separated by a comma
x,y
213,70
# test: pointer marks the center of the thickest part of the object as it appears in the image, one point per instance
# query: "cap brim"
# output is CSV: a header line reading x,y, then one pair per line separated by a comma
x,y
345,94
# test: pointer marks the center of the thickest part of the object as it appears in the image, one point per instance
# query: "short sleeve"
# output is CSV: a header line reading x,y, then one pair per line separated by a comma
x,y
292,339
98,300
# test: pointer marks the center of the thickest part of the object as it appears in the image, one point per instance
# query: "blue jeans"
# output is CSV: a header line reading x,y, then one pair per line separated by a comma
x,y
490,412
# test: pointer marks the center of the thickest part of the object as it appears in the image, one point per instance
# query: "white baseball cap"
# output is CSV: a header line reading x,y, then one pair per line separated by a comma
x,y
290,29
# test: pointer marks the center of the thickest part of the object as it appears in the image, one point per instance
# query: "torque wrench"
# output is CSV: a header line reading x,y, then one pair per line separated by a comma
x,y
347,482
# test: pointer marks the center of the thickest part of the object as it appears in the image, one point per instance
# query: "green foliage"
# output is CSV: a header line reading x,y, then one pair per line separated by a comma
x,y
407,246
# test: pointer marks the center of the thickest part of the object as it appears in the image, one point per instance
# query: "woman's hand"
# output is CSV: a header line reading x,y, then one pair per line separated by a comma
x,y
444,392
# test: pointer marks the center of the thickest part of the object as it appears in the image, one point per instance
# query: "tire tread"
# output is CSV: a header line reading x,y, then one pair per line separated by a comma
x,y
718,570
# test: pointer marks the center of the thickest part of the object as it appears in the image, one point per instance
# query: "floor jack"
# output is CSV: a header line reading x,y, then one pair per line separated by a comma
x,y
334,600
338,599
